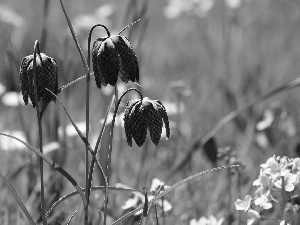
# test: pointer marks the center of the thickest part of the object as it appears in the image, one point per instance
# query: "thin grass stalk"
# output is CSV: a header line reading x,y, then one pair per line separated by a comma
x,y
96,188
86,210
60,90
20,202
69,222
92,166
36,50
53,165
172,188
74,37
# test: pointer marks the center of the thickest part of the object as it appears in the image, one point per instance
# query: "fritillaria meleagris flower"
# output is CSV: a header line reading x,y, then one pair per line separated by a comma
x,y
46,77
141,114
112,57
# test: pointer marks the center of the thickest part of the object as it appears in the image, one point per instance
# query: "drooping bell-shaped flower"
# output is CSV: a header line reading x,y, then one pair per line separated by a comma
x,y
112,57
142,114
46,78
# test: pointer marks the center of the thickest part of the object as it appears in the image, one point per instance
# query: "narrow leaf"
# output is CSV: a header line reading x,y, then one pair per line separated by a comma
x,y
21,204
173,187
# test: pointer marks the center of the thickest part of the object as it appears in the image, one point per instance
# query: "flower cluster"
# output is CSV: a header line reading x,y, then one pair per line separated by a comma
x,y
277,175
112,56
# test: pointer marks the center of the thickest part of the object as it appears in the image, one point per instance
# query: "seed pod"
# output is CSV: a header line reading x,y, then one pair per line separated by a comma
x,y
46,78
112,57
142,114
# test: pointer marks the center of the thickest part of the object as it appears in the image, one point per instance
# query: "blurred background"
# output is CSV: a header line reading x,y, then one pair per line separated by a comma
x,y
201,58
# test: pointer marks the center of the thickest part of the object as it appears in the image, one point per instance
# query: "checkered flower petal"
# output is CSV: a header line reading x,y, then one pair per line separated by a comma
x,y
163,114
96,66
108,61
46,75
24,81
139,125
153,119
112,57
142,114
127,120
129,69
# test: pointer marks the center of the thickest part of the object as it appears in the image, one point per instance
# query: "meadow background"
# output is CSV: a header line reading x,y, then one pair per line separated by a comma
x,y
201,58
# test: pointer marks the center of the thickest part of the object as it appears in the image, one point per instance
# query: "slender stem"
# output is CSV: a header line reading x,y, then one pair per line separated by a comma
x,y
88,78
37,51
283,195
110,144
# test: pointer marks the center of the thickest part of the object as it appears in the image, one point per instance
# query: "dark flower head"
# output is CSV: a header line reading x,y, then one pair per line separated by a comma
x,y
112,57
46,77
142,114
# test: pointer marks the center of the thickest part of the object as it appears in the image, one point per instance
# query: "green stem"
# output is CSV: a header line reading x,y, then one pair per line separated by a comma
x,y
37,51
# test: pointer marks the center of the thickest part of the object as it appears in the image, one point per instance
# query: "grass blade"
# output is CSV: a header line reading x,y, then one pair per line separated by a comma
x,y
21,204
52,164
200,141
96,188
173,187
74,125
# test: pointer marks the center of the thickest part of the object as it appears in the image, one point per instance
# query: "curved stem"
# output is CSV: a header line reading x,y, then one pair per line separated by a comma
x,y
37,51
88,78
90,37
110,143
